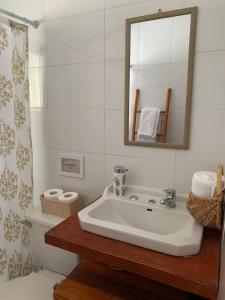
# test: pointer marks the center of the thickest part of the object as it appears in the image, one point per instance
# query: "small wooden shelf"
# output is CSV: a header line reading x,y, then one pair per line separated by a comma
x,y
197,274
95,281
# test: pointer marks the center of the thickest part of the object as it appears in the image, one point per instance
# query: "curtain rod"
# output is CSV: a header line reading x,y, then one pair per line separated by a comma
x,y
34,23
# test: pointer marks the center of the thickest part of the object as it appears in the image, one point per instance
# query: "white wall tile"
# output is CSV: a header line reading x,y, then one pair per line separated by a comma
x,y
76,86
41,164
114,140
79,130
206,4
35,90
114,84
143,172
207,143
41,172
114,3
37,42
209,87
38,189
75,39
184,173
59,9
39,127
176,125
37,80
88,198
211,20
93,181
115,22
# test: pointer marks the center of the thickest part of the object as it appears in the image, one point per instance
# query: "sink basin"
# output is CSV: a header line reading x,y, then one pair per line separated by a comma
x,y
139,219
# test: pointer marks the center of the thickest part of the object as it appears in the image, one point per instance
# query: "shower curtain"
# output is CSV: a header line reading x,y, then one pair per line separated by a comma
x,y
15,151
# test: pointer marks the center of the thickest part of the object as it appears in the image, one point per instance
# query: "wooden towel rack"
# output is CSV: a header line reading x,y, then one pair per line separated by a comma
x,y
162,136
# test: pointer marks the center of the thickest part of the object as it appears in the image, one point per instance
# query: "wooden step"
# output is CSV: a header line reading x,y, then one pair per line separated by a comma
x,y
95,281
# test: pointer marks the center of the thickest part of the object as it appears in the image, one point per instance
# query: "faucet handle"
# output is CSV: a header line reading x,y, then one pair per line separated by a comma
x,y
170,192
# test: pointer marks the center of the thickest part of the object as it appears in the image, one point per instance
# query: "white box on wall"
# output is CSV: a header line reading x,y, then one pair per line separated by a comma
x,y
71,164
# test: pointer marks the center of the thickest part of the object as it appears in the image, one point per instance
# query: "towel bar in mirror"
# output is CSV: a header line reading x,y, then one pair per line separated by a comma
x,y
160,52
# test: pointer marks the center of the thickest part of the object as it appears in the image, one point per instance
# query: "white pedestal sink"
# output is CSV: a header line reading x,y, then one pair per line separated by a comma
x,y
139,219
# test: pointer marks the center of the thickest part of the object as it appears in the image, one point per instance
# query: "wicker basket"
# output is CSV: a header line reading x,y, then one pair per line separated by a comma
x,y
208,211
59,208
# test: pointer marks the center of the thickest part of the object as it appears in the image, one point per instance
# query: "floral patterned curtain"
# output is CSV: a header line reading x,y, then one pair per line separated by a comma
x,y
15,151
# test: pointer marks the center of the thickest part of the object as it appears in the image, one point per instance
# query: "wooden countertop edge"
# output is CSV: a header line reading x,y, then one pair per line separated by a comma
x,y
208,290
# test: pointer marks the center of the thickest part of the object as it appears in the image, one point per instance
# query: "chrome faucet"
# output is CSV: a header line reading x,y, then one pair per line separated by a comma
x,y
170,200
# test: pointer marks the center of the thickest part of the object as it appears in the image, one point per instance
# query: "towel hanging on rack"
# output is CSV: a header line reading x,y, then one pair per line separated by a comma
x,y
149,121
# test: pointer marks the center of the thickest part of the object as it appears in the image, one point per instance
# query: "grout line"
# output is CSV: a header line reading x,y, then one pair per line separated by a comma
x,y
126,4
42,147
209,51
39,108
71,64
105,60
114,60
49,20
117,109
112,154
141,157
107,155
76,109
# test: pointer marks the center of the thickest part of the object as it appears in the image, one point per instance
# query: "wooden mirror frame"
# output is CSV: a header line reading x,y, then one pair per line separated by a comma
x,y
191,56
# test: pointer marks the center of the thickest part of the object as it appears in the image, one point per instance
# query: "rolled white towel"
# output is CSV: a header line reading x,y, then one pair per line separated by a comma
x,y
53,193
68,196
204,183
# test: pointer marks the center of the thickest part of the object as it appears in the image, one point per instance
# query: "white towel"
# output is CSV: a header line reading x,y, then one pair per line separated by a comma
x,y
149,121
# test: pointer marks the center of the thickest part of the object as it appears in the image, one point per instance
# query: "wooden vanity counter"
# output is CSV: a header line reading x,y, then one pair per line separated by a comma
x,y
197,274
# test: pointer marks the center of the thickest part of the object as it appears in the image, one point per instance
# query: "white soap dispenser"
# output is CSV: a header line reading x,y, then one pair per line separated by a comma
x,y
119,181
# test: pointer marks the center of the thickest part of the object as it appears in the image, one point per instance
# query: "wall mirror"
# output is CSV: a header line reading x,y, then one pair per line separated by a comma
x,y
159,74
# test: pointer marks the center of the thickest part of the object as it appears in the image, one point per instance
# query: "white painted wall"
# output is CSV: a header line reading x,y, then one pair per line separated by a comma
x,y
77,82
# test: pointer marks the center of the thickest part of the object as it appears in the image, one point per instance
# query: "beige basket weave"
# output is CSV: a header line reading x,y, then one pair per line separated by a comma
x,y
59,208
208,211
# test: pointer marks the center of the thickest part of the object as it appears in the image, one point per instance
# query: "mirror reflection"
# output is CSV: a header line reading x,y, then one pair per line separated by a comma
x,y
158,75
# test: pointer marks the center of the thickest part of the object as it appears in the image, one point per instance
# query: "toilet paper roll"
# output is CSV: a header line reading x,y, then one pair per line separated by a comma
x,y
68,196
204,183
53,193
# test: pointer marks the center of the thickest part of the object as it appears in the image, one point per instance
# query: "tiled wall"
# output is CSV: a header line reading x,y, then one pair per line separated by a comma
x,y
77,86
84,76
